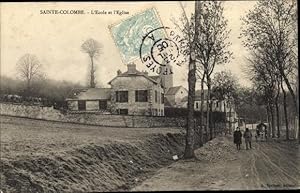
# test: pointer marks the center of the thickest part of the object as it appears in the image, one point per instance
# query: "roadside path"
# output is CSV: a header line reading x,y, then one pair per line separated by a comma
x,y
219,166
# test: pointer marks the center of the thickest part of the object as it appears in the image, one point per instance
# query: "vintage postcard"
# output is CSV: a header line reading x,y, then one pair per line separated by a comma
x,y
149,96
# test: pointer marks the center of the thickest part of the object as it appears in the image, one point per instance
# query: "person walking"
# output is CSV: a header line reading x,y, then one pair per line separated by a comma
x,y
237,138
257,132
248,138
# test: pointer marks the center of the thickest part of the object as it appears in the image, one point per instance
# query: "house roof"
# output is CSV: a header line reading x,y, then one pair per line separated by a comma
x,y
156,78
89,94
197,96
173,90
135,72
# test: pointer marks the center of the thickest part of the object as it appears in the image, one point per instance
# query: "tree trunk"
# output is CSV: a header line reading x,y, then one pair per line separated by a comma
x,y
92,81
268,119
207,106
286,80
277,109
285,112
201,111
28,88
230,129
272,120
225,118
210,121
189,146
297,114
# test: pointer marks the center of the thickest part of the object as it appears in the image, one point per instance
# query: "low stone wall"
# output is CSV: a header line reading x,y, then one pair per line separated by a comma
x,y
30,111
48,113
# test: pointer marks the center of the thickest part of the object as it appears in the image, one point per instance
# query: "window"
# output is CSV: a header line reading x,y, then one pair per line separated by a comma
x,y
162,98
81,105
122,96
141,96
156,96
123,111
197,105
154,113
217,104
102,105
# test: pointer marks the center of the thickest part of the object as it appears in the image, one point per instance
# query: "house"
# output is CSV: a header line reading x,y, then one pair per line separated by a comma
x,y
89,99
136,93
131,93
216,106
174,96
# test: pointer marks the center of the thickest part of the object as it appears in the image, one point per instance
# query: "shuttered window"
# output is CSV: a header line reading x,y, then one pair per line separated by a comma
x,y
141,96
122,96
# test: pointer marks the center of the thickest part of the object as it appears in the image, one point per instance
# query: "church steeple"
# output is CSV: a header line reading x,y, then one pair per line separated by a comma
x,y
167,77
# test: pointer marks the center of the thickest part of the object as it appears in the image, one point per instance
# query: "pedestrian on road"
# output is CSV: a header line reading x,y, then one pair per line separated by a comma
x,y
237,138
248,138
257,133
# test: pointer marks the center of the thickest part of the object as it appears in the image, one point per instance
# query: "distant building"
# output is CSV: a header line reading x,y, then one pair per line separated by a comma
x,y
217,106
135,93
131,93
175,95
89,99
167,80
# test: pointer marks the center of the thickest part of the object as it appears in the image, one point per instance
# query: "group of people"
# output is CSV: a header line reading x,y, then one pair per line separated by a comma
x,y
237,138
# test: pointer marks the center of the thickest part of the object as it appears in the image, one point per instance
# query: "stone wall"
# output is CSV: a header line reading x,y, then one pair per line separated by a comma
x,y
30,111
48,113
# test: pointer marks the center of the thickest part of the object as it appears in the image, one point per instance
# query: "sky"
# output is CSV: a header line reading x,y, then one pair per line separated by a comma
x,y
56,38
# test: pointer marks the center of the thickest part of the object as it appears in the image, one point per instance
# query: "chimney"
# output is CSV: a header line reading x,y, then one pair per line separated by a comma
x,y
119,72
146,73
131,68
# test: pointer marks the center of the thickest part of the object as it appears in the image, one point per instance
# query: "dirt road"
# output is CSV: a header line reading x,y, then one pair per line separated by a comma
x,y
219,166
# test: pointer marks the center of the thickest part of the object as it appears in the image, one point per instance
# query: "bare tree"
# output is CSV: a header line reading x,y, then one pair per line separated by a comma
x,y
190,35
187,26
224,88
201,76
93,49
270,32
212,44
271,28
29,69
207,35
277,107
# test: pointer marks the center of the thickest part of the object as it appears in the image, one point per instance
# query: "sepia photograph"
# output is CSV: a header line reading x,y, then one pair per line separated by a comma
x,y
142,96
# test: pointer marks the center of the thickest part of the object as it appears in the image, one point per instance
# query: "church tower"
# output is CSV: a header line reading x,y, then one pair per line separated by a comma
x,y
167,77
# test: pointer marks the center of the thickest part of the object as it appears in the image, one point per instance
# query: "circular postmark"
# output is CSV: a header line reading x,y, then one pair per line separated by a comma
x,y
164,51
162,47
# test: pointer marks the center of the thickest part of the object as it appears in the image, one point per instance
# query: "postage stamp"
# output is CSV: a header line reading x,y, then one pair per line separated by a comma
x,y
143,35
129,33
